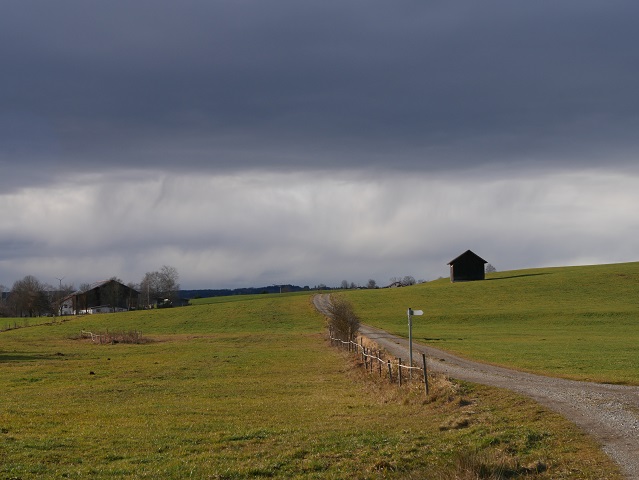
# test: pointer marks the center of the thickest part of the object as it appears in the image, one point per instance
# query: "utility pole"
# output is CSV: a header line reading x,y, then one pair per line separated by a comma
x,y
60,295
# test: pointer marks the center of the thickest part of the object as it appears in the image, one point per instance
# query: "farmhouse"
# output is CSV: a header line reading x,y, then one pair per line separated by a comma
x,y
101,297
466,267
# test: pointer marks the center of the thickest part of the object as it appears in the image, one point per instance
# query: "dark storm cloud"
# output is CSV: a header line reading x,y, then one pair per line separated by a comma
x,y
248,84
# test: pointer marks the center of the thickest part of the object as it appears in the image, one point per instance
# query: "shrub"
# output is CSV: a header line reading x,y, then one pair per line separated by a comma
x,y
343,321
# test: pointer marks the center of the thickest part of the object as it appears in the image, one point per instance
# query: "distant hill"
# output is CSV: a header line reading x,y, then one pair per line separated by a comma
x,y
225,292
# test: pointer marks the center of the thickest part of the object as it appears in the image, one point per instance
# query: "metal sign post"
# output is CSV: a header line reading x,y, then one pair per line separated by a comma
x,y
411,312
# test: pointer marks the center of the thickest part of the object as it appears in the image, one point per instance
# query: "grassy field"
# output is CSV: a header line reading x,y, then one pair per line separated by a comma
x,y
248,387
573,322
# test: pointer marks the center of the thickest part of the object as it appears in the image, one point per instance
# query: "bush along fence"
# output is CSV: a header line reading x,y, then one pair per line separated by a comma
x,y
394,370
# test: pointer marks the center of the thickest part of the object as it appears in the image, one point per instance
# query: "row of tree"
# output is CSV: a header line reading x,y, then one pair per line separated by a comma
x,y
29,297
394,281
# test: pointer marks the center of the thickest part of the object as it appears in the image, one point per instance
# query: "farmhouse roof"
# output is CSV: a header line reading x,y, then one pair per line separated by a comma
x,y
467,253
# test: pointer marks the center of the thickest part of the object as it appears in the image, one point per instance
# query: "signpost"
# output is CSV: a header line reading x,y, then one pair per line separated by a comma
x,y
411,312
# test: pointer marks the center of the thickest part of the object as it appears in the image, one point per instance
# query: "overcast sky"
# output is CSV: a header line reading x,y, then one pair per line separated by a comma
x,y
249,143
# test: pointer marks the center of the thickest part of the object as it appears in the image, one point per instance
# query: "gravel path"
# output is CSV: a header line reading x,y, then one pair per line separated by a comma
x,y
609,413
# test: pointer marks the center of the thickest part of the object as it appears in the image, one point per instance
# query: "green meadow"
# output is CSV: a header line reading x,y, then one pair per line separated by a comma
x,y
249,387
573,322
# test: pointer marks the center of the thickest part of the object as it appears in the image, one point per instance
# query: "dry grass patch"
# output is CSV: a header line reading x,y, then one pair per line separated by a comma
x,y
112,338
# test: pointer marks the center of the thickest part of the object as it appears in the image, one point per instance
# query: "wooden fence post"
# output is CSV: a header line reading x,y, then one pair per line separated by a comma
x,y
425,374
399,370
390,372
379,362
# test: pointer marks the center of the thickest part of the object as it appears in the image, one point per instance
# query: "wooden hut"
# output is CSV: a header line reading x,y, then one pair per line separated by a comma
x,y
467,267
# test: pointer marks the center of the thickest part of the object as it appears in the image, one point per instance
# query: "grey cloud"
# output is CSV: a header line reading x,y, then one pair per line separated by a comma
x,y
231,85
234,230
15,246
282,134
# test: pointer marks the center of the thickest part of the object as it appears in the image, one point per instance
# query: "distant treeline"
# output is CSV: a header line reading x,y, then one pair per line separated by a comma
x,y
225,292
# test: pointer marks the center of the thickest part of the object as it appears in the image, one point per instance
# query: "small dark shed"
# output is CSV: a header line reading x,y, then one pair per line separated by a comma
x,y
468,266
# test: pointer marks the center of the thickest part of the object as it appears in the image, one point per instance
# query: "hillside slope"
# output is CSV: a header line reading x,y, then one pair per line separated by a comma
x,y
574,322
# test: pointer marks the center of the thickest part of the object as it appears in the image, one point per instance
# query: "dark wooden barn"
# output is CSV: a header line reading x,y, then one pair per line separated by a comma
x,y
467,267
105,296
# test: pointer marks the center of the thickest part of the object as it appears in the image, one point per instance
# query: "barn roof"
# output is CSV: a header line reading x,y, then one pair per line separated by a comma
x,y
465,255
93,286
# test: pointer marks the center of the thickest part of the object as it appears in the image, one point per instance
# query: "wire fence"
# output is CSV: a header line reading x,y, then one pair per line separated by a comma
x,y
25,322
393,368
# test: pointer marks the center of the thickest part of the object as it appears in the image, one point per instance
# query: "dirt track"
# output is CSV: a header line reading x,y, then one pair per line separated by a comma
x,y
609,413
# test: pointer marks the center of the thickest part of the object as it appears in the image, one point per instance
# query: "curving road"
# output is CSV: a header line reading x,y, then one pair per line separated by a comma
x,y
609,413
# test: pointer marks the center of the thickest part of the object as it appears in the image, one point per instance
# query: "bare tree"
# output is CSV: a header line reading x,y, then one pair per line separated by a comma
x,y
29,297
408,280
160,285
343,321
490,268
344,285
150,287
371,284
4,308
169,282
